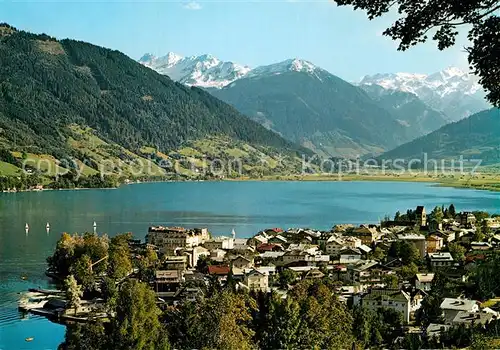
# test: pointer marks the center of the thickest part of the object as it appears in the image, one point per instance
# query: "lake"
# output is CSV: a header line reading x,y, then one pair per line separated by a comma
x,y
221,206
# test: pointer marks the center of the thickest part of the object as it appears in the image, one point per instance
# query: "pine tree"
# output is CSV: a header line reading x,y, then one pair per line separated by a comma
x,y
74,292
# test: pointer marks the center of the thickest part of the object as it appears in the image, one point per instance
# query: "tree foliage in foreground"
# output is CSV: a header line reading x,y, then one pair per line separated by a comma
x,y
136,325
311,317
419,18
222,321
374,328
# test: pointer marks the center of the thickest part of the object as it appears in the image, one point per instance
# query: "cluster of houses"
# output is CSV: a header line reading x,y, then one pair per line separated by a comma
x,y
345,254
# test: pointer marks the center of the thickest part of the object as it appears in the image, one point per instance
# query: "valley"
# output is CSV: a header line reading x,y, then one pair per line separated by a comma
x,y
310,106
98,118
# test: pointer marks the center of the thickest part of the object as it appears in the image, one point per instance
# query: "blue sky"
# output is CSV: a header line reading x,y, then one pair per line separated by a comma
x,y
254,33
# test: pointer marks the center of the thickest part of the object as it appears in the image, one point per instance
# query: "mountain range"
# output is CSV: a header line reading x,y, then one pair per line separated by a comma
x,y
408,109
63,99
452,91
204,71
284,97
310,106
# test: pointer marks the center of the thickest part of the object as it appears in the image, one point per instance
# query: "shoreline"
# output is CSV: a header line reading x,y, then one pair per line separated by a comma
x,y
487,182
63,189
492,183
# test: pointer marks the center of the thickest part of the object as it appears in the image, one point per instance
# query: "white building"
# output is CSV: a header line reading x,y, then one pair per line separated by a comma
x,y
440,259
256,281
335,246
417,240
168,239
397,300
451,307
423,281
472,318
219,243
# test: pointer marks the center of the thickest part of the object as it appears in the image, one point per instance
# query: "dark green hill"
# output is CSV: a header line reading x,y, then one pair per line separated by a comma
x,y
317,110
47,85
476,137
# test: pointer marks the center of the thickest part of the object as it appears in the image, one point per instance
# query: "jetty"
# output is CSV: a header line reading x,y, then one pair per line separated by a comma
x,y
51,304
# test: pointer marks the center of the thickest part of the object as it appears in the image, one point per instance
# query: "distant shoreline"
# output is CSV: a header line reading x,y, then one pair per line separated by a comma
x,y
489,182
63,189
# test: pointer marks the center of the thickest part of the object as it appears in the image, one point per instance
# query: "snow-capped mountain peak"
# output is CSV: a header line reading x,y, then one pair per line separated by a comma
x,y
204,70
290,65
147,57
445,82
172,58
299,65
446,90
210,72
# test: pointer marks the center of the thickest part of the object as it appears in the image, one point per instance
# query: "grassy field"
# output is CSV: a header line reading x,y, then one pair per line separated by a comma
x,y
47,164
7,169
481,181
240,162
112,158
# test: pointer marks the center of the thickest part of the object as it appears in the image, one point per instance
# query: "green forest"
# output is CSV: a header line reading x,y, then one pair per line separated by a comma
x,y
49,87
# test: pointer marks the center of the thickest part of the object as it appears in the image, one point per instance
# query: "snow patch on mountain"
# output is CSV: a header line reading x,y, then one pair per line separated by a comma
x,y
442,83
204,71
291,65
453,91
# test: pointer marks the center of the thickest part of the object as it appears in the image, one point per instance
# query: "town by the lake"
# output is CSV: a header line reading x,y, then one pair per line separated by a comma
x,y
424,273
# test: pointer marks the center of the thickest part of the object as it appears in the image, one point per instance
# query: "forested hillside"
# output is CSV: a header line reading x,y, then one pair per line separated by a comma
x,y
408,109
47,85
476,137
317,110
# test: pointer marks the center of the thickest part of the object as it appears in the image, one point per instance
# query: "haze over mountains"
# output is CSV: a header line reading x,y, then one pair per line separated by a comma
x,y
342,121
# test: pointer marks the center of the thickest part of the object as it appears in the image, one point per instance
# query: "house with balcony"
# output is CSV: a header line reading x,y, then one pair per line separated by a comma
x,y
434,243
167,282
366,233
394,299
335,246
440,260
367,272
257,281
423,281
242,262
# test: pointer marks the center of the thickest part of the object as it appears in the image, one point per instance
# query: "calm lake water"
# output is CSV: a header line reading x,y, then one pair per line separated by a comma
x,y
221,206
